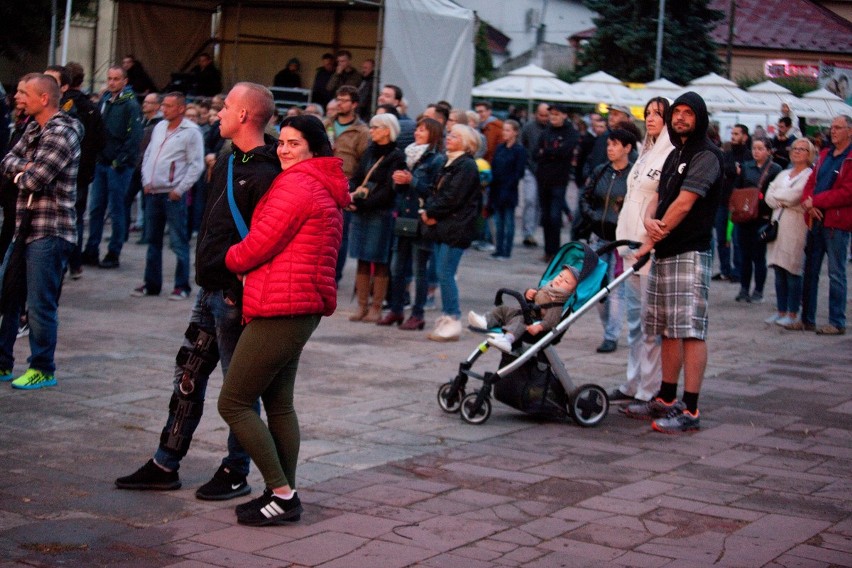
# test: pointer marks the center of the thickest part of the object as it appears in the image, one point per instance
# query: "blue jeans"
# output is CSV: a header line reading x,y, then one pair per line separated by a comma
x,y
447,261
753,255
159,210
209,312
788,291
405,253
551,199
612,309
723,247
834,244
46,259
344,247
109,189
504,222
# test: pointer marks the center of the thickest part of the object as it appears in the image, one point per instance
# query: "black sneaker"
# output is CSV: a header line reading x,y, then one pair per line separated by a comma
x,y
150,476
269,510
224,485
110,261
89,259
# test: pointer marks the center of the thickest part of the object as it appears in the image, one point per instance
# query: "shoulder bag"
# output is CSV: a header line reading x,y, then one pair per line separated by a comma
x,y
769,232
744,203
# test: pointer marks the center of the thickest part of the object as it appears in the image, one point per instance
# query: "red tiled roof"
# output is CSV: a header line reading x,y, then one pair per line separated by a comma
x,y
797,25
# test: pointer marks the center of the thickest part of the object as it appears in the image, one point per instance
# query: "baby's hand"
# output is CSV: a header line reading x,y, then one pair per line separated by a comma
x,y
530,294
535,329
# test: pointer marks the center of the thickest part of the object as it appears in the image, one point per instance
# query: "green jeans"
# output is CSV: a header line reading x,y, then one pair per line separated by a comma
x,y
264,366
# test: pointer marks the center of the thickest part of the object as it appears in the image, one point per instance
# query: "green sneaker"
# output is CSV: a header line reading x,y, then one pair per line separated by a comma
x,y
34,379
6,375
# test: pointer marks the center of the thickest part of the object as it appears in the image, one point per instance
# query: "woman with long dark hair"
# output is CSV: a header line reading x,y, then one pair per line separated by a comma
x,y
424,159
287,261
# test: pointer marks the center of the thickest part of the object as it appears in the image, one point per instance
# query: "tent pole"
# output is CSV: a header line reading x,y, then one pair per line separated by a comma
x,y
377,77
236,66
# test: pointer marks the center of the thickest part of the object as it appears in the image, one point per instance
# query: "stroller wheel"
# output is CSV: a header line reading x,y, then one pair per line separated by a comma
x,y
445,402
588,405
468,414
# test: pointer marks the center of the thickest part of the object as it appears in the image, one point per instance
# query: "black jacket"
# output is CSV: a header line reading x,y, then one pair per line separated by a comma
x,y
78,105
602,203
382,195
254,172
695,232
455,204
555,152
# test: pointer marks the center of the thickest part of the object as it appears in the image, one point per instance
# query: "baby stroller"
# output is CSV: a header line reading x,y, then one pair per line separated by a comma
x,y
533,378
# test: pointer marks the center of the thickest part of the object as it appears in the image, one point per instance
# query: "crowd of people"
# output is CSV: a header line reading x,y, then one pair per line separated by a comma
x,y
279,204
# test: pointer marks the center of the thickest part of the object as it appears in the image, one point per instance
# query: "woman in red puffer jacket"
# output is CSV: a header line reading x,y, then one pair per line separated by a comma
x,y
288,262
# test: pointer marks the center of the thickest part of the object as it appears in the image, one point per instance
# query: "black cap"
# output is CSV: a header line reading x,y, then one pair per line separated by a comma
x,y
560,107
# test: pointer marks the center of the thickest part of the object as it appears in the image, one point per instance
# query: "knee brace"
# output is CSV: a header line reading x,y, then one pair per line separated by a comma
x,y
174,438
200,358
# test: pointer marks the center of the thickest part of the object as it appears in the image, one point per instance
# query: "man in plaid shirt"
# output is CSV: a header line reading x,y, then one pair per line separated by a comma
x,y
43,164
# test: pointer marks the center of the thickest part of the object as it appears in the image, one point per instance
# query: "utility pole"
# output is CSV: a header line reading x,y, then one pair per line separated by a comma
x,y
51,53
65,32
661,18
729,51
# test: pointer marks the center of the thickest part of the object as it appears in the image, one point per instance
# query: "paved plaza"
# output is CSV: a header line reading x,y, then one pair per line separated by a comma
x,y
388,480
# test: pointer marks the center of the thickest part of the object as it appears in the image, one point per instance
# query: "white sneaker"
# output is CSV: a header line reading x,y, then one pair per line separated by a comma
x,y
446,329
500,341
772,319
476,320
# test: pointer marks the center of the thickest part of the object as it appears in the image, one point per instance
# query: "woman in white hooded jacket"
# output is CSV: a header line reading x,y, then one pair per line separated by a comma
x,y
644,372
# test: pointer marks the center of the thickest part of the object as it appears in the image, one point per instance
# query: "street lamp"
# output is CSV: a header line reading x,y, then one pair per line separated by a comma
x,y
660,21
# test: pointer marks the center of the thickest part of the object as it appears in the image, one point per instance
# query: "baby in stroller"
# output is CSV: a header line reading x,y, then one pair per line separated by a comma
x,y
547,308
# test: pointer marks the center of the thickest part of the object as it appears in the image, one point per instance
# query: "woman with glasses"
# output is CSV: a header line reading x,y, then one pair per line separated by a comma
x,y
786,254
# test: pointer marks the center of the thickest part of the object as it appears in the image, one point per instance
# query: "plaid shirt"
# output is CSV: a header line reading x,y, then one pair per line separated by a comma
x,y
55,155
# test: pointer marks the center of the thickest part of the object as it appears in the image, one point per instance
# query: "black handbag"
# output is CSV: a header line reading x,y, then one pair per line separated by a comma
x,y
769,232
406,227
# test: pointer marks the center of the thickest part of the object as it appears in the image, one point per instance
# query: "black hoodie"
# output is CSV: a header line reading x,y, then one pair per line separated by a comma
x,y
254,172
694,165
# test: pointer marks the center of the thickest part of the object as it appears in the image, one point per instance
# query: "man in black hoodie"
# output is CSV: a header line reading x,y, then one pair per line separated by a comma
x,y
680,230
555,151
215,325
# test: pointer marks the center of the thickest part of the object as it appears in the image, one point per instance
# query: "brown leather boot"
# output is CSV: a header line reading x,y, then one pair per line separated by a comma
x,y
380,290
362,292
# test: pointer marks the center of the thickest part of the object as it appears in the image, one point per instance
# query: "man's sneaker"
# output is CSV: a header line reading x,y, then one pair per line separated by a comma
x,y
224,485
23,330
618,397
34,379
110,260
530,242
150,476
89,258
500,341
76,273
6,375
476,320
756,298
179,294
653,409
142,291
269,510
677,422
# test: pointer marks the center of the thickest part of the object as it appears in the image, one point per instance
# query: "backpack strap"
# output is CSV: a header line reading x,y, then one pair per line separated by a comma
x,y
242,228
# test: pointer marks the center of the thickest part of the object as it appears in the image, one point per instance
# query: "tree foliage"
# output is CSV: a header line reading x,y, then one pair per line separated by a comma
x,y
624,44
25,26
797,85
483,66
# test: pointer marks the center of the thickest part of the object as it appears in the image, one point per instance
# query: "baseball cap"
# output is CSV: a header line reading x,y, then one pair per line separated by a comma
x,y
623,108
561,108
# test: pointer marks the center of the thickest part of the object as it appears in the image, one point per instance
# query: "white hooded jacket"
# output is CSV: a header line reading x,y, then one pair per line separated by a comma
x,y
642,182
173,160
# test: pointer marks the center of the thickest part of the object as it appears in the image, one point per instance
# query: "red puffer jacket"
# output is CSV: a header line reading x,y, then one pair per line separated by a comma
x,y
836,203
290,252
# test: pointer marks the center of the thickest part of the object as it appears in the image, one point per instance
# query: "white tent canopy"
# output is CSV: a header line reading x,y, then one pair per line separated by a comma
x,y
723,95
601,87
774,94
662,87
526,83
828,102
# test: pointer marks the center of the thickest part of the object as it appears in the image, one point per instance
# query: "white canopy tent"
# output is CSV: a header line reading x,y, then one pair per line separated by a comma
x,y
662,87
723,95
529,83
828,102
775,94
601,87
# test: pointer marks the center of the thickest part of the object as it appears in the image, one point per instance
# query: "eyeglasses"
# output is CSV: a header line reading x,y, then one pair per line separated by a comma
x,y
798,149
374,127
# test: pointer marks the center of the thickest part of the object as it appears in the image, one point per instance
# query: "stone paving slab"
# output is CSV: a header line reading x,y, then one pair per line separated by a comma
x,y
389,480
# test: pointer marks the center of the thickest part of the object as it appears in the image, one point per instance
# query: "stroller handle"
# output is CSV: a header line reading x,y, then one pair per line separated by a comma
x,y
615,244
643,260
526,307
